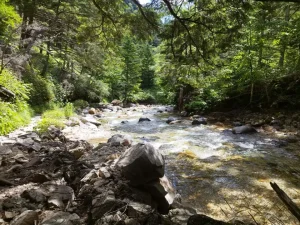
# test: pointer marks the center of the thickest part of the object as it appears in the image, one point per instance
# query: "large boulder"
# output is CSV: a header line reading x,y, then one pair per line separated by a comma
x,y
245,129
141,164
162,192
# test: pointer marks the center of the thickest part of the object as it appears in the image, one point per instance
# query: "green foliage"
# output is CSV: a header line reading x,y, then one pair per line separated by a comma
x,y
54,117
19,88
130,79
80,104
147,69
69,110
9,18
44,124
89,88
145,97
17,113
42,92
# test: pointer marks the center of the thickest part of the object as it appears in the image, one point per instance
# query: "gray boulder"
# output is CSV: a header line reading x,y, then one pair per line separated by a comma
x,y
204,220
105,203
27,217
144,119
58,218
245,129
170,119
141,164
119,140
199,121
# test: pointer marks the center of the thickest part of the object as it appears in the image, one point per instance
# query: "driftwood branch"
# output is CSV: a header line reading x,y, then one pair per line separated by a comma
x,y
293,208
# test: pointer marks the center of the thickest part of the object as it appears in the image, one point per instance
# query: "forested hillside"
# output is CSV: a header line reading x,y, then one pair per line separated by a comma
x,y
223,55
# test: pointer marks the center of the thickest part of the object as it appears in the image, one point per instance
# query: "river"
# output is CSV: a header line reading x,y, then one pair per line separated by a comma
x,y
222,175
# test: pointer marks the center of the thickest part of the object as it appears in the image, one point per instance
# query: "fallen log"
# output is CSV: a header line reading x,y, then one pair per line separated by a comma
x,y
6,94
292,207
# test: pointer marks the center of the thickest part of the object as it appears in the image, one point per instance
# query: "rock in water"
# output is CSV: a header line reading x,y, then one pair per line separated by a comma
x,y
119,139
199,121
141,164
204,220
143,119
170,119
245,129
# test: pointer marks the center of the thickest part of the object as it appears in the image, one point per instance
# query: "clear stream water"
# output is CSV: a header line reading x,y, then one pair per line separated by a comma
x,y
222,175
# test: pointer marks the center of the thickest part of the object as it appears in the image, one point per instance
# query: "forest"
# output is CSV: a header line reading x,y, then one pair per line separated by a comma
x,y
178,74
223,54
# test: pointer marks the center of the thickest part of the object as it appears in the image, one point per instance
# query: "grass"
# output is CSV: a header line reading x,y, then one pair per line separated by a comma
x,y
13,116
55,117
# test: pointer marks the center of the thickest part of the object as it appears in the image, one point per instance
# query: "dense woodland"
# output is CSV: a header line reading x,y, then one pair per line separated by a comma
x,y
222,54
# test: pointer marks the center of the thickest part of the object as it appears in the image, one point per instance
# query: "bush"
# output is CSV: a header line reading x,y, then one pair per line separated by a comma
x,y
17,113
80,104
195,106
42,93
53,117
13,116
143,97
69,110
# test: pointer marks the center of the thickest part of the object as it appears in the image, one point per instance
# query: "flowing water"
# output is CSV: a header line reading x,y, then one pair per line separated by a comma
x,y
222,175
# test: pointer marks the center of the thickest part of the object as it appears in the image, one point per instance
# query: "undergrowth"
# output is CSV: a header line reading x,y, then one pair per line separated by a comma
x,y
55,117
15,112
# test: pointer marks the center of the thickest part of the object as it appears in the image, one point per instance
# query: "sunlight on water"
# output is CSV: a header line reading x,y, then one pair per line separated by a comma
x,y
221,174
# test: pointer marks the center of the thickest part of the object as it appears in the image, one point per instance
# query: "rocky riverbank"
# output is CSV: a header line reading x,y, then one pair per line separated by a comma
x,y
59,177
49,179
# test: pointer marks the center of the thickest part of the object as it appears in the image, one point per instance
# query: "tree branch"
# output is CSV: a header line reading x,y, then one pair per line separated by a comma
x,y
138,4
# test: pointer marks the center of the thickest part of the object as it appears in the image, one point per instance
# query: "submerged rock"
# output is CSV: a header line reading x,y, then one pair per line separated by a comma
x,y
245,129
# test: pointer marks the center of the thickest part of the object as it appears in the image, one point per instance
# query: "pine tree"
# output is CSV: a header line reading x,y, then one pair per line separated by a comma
x,y
131,69
147,68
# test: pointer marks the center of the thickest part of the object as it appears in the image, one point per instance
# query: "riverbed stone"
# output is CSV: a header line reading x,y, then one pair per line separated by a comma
x,y
170,119
144,119
105,203
245,129
119,140
200,121
141,164
27,217
37,196
59,218
204,220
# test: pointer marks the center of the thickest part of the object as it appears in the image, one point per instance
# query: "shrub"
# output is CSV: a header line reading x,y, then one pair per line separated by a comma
x,y
45,123
80,104
17,113
53,117
42,93
69,110
198,105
